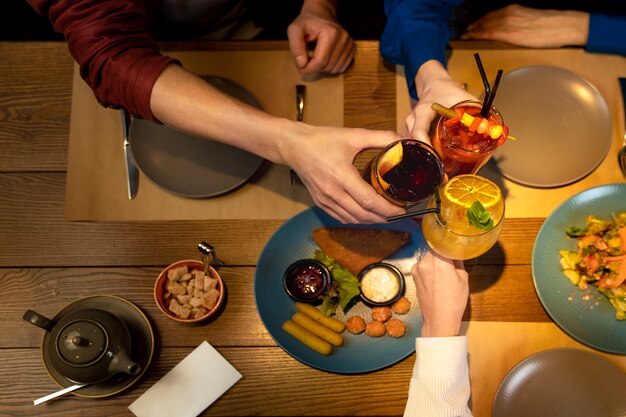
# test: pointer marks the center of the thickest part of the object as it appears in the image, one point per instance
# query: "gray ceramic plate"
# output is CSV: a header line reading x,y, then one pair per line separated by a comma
x,y
562,383
190,166
561,122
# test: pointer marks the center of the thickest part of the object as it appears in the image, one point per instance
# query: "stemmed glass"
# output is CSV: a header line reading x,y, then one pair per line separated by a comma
x,y
469,218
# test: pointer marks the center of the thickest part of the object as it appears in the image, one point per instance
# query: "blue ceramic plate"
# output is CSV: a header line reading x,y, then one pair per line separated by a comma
x,y
359,353
585,315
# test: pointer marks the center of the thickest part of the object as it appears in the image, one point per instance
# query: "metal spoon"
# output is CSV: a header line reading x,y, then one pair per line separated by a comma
x,y
58,393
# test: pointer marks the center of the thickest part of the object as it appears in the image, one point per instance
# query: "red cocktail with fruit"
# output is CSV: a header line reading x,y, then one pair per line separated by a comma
x,y
406,172
464,139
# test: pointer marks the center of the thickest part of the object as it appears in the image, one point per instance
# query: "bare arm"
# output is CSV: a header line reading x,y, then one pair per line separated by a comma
x,y
534,28
442,290
433,84
322,156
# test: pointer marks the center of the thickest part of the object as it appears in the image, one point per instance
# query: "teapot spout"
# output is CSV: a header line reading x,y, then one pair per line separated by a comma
x,y
123,363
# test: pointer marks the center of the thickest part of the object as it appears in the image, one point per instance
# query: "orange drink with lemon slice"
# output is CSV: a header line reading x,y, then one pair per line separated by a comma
x,y
406,172
470,218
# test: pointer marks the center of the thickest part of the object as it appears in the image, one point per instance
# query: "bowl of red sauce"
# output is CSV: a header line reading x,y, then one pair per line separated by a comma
x,y
306,280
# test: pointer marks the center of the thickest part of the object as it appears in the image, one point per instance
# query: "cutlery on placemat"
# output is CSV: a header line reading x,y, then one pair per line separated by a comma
x,y
300,94
621,155
132,173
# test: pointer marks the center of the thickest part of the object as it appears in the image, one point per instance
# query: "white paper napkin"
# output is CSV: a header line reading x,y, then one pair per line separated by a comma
x,y
190,387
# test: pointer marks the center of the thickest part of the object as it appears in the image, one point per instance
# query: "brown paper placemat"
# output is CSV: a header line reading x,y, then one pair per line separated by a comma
x,y
600,70
495,348
96,176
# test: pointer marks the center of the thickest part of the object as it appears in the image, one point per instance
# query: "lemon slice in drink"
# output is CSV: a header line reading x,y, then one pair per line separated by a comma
x,y
387,161
463,190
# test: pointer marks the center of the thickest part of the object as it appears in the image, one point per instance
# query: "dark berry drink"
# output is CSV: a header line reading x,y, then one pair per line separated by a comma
x,y
406,172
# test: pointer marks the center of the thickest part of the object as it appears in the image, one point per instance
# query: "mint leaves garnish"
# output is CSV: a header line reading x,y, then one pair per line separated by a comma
x,y
479,217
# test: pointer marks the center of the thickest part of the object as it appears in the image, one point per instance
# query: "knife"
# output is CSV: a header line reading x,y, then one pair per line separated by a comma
x,y
300,91
621,155
132,173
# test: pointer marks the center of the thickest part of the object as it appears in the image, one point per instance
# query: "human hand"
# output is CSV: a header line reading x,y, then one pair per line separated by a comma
x,y
334,48
433,84
323,159
519,25
442,291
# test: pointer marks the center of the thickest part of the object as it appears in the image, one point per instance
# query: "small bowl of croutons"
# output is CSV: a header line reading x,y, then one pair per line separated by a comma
x,y
184,293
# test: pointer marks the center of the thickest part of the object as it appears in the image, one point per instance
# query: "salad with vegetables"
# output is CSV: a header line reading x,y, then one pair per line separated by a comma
x,y
600,259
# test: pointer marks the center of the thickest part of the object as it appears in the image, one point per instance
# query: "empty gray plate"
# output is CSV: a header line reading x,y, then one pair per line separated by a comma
x,y
561,122
190,166
562,383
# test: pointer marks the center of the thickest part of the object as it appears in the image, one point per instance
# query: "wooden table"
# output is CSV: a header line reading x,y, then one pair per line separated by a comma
x,y
46,263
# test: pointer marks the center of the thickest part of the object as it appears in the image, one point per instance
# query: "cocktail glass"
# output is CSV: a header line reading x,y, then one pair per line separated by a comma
x,y
461,150
451,233
406,172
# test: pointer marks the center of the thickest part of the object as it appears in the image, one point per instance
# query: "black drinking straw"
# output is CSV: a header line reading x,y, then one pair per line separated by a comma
x,y
484,109
493,91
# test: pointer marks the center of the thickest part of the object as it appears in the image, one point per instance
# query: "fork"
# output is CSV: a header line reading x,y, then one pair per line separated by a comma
x,y
300,90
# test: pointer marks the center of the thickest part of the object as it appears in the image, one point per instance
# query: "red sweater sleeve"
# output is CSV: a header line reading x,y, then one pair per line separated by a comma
x,y
109,39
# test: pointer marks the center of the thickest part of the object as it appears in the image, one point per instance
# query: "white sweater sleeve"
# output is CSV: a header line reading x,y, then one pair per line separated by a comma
x,y
440,384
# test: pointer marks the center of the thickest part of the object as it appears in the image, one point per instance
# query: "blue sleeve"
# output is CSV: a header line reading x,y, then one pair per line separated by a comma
x,y
416,31
607,33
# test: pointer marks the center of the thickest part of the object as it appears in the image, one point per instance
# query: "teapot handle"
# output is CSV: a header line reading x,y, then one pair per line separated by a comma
x,y
39,320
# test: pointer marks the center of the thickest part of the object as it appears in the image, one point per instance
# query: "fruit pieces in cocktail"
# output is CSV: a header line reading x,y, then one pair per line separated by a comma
x,y
405,172
465,140
470,219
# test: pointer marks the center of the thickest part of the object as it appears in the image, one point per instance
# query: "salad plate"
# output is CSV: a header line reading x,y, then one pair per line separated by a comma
x,y
561,123
359,353
585,315
562,383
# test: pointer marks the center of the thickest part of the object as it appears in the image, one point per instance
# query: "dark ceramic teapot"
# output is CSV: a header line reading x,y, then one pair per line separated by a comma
x,y
87,346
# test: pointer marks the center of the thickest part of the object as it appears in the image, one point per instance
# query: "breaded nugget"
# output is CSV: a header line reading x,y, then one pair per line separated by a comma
x,y
395,327
375,329
355,324
402,306
381,314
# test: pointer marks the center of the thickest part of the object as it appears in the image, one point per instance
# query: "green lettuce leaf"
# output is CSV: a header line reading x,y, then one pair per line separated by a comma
x,y
344,288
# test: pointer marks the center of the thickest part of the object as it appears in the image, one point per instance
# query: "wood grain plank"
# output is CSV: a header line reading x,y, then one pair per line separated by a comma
x,y
370,91
36,85
33,233
496,294
273,383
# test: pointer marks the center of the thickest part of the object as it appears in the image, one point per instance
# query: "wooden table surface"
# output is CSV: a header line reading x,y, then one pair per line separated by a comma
x,y
46,263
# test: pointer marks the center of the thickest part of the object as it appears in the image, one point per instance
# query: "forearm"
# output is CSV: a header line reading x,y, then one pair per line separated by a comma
x,y
182,100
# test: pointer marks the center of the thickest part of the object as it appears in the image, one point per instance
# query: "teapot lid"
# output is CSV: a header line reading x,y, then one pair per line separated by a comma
x,y
81,342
